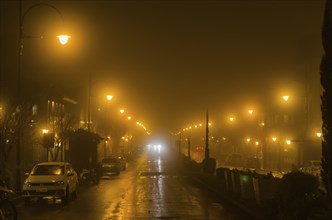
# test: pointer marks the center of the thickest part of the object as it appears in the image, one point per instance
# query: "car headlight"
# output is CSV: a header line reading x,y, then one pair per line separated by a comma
x,y
60,183
27,184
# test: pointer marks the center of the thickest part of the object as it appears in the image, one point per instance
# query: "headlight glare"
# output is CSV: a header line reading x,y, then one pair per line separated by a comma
x,y
27,184
59,183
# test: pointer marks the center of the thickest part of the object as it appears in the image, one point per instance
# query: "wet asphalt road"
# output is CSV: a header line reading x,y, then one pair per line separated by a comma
x,y
149,189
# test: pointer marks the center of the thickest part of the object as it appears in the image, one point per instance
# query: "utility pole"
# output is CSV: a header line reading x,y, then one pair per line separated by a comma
x,y
180,145
189,157
19,107
89,102
207,150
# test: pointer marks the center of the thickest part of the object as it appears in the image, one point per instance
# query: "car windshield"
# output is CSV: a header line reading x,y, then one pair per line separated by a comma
x,y
110,160
48,170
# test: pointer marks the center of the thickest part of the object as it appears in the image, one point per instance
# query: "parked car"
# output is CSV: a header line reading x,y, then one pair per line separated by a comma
x,y
50,179
313,167
252,163
123,163
111,166
234,160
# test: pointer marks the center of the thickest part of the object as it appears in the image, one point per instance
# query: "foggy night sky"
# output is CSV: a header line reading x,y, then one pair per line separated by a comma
x,y
168,61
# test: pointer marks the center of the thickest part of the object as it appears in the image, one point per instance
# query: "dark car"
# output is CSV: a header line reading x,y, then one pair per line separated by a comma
x,y
234,160
252,163
111,166
123,163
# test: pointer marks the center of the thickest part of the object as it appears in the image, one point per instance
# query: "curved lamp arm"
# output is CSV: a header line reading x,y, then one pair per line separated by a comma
x,y
63,39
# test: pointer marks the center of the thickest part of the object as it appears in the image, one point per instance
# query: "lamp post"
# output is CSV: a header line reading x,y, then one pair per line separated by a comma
x,y
278,144
207,149
107,122
63,40
189,156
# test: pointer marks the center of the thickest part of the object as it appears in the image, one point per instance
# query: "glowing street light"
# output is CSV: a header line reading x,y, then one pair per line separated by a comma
x,y
109,97
231,119
285,98
288,142
319,134
63,39
45,131
129,117
274,139
248,140
122,111
250,111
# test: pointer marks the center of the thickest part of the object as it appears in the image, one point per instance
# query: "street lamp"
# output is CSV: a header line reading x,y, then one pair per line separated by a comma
x,y
285,98
107,120
63,40
109,97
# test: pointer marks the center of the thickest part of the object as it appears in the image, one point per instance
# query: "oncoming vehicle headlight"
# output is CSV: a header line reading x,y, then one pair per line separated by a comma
x,y
156,148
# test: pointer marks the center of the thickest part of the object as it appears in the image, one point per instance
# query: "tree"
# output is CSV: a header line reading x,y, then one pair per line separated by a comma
x,y
326,98
64,125
8,136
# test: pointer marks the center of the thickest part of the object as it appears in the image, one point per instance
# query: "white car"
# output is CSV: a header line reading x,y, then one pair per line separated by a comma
x,y
314,167
51,179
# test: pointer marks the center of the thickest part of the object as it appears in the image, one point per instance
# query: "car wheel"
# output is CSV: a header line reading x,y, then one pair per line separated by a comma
x,y
7,210
27,201
74,194
65,198
40,200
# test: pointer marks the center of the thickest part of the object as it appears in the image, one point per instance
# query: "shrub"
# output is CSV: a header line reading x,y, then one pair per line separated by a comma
x,y
299,198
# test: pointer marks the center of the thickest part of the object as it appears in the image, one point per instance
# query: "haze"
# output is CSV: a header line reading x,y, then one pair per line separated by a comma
x,y
169,61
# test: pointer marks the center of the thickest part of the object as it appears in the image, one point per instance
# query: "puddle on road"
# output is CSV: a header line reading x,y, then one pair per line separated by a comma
x,y
149,174
152,175
167,217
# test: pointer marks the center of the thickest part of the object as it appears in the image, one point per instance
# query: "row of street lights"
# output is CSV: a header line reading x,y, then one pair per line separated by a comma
x,y
129,117
263,140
